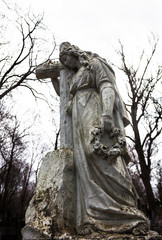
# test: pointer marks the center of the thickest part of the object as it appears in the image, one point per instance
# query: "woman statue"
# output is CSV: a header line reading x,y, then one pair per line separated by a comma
x,y
106,198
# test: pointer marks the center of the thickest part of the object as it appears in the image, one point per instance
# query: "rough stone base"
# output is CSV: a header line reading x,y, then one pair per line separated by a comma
x,y
31,234
99,236
52,208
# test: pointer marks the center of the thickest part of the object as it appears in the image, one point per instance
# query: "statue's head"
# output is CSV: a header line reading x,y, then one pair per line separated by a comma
x,y
69,56
66,49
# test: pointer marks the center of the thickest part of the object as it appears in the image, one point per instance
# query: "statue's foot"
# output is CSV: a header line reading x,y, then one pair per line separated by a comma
x,y
140,229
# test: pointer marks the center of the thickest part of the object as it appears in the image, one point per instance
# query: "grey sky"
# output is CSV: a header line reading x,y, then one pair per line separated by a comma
x,y
96,25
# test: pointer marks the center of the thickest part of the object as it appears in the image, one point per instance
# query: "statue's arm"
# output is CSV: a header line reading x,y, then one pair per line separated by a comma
x,y
108,99
56,85
104,79
51,70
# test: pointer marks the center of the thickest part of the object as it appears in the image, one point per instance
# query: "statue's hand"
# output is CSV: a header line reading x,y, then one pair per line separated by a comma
x,y
106,124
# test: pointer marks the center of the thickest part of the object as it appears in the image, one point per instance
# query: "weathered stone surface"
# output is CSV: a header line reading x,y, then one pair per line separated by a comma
x,y
48,69
52,209
66,131
54,70
103,236
31,233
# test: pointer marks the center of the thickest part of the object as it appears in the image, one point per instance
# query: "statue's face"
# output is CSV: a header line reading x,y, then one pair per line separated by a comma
x,y
70,61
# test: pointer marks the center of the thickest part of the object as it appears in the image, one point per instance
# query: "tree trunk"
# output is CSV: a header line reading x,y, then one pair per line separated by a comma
x,y
145,169
5,195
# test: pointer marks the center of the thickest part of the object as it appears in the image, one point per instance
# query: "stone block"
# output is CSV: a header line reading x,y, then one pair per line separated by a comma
x,y
52,208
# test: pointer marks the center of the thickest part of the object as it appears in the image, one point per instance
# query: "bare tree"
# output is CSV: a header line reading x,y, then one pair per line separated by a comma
x,y
12,154
145,111
19,53
20,156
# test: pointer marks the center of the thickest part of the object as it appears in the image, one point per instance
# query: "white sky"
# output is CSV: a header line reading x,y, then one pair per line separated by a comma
x,y
97,25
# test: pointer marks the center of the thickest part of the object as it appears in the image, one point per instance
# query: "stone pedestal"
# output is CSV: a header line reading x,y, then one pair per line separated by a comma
x,y
52,208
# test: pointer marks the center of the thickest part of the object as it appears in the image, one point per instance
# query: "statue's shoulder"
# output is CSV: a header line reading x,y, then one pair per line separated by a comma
x,y
100,63
95,61
95,64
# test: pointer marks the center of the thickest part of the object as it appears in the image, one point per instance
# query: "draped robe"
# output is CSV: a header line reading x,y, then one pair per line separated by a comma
x,y
106,198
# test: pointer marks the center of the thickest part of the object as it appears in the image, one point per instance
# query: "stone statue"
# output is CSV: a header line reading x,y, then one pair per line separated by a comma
x,y
106,198
84,188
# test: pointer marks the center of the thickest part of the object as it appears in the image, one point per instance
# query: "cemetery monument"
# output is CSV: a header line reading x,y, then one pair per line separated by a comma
x,y
84,188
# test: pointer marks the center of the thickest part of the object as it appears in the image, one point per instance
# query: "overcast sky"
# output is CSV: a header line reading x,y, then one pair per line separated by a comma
x,y
97,25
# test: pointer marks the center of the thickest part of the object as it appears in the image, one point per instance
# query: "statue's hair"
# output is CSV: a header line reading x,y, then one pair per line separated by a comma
x,y
68,49
84,57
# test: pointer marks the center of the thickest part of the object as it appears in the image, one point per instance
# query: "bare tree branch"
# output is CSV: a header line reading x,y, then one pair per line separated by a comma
x,y
144,108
